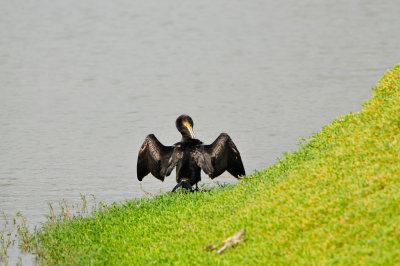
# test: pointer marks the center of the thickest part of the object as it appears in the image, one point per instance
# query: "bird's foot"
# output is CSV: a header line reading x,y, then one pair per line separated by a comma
x,y
177,186
185,185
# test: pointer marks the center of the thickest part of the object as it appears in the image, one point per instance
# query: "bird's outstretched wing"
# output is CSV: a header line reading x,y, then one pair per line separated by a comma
x,y
154,158
223,156
176,156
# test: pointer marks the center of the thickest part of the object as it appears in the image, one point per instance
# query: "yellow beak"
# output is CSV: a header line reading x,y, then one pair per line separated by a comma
x,y
189,127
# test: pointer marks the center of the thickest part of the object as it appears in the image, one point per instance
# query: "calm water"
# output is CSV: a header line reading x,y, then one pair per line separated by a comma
x,y
83,82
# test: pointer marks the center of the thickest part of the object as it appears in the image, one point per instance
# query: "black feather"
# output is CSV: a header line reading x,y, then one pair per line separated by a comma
x,y
189,156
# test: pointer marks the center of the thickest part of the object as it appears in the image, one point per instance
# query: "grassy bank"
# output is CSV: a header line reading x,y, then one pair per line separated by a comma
x,y
334,200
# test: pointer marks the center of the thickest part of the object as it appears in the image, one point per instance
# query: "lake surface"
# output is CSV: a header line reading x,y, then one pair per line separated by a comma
x,y
83,82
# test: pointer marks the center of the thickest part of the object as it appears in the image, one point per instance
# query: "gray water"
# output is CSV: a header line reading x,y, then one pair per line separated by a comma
x,y
83,82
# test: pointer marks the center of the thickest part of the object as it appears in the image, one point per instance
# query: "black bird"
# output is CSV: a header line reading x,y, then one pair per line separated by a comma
x,y
189,156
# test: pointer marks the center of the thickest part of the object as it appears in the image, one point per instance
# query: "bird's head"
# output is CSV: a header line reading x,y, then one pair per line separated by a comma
x,y
184,124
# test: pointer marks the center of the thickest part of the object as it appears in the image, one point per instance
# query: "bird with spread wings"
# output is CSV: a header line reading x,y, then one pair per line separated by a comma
x,y
189,156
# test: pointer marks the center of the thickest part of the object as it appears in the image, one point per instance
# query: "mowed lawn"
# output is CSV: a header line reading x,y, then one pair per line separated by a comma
x,y
334,200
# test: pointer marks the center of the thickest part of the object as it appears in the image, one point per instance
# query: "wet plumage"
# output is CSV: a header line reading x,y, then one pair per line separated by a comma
x,y
189,156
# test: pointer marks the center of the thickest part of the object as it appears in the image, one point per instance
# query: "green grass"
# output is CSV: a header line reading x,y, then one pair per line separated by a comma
x,y
335,200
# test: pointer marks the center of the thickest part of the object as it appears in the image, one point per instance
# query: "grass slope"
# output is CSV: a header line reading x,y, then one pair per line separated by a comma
x,y
334,200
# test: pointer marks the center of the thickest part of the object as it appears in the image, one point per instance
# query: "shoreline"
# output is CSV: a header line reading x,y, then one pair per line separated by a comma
x,y
333,200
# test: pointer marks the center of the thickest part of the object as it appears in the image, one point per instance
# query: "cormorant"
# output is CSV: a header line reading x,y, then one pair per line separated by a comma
x,y
189,156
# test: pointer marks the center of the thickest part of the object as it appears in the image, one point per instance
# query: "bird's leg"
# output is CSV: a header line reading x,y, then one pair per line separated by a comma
x,y
177,186
185,184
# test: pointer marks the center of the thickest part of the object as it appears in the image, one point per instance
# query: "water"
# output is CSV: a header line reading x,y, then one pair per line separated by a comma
x,y
83,82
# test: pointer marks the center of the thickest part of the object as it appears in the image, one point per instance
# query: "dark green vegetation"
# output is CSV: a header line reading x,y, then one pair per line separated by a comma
x,y
334,200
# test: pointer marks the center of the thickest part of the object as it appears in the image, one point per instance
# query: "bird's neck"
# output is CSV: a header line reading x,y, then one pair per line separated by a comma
x,y
186,138
190,141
